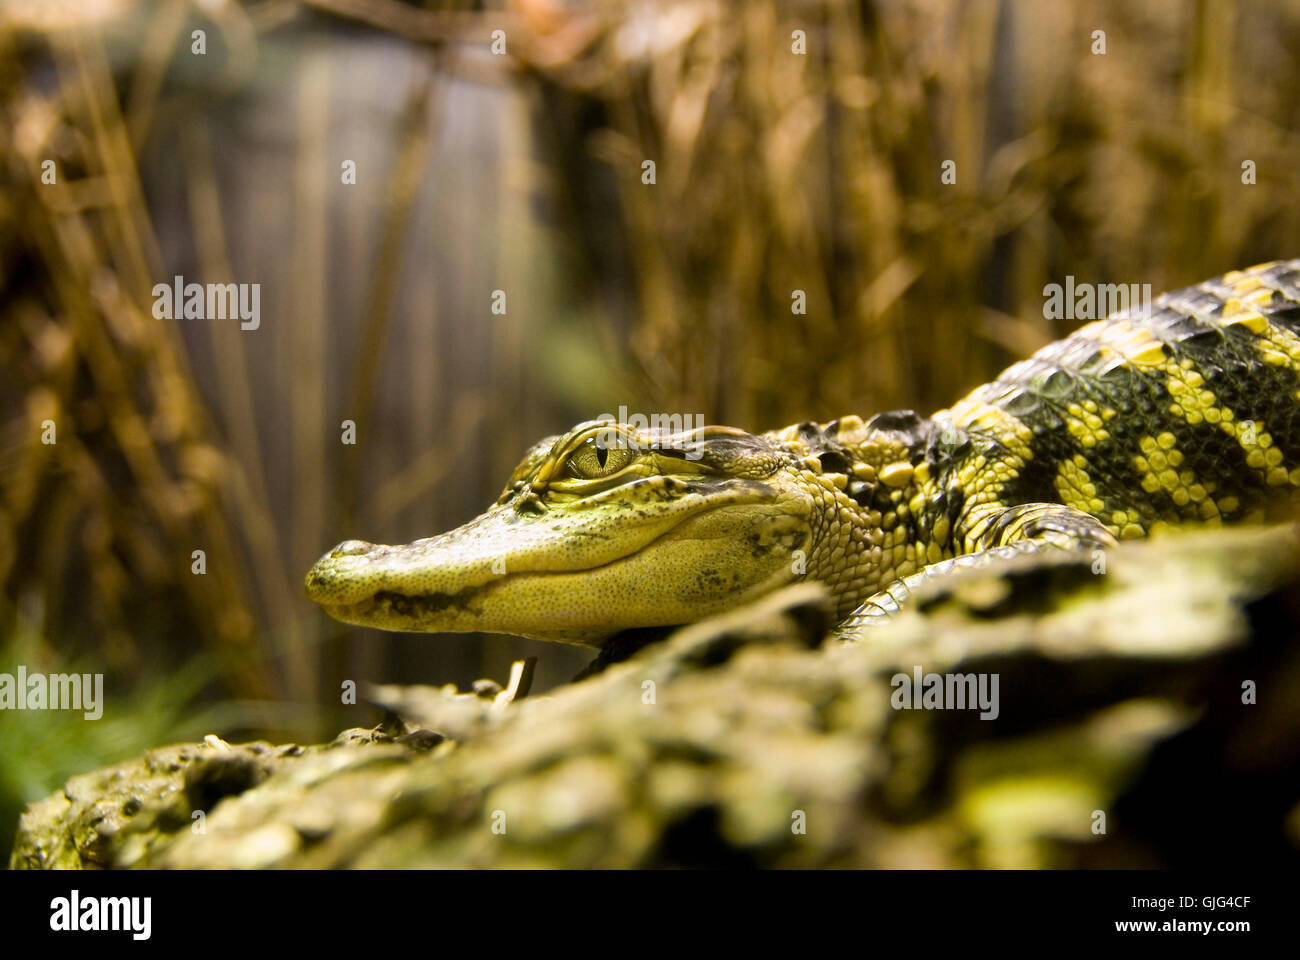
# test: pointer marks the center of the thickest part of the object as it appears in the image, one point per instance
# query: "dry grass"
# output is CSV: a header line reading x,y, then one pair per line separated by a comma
x,y
822,173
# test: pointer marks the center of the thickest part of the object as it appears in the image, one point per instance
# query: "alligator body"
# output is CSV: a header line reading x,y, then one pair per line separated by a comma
x,y
1186,414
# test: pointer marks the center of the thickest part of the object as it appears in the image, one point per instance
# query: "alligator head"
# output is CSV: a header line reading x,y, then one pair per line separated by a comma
x,y
602,529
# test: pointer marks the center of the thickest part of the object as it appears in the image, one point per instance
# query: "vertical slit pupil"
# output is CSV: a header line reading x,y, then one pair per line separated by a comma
x,y
601,455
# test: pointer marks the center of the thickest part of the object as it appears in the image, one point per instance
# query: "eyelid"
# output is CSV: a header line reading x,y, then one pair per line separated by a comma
x,y
556,468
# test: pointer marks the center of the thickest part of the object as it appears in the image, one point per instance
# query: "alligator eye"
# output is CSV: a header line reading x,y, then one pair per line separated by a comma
x,y
593,460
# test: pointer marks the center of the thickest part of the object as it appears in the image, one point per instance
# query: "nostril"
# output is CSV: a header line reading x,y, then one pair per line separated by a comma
x,y
352,548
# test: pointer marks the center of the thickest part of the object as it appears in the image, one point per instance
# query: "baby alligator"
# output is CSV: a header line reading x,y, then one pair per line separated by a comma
x,y
1185,414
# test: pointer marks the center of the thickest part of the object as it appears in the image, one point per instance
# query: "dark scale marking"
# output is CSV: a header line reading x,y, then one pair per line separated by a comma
x,y
1261,392
811,434
424,604
1288,319
1213,455
1229,348
906,427
942,504
861,492
833,461
1034,483
1182,321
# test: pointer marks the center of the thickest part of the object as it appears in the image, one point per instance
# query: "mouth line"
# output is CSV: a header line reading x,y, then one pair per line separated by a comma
x,y
424,604
420,605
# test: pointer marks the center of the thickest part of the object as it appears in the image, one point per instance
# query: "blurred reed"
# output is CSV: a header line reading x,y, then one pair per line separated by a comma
x,y
821,172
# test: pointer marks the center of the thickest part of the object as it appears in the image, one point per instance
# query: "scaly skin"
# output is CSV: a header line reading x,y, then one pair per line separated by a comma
x,y
1130,426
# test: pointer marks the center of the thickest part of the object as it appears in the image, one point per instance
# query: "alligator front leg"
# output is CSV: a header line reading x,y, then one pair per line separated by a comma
x,y
998,535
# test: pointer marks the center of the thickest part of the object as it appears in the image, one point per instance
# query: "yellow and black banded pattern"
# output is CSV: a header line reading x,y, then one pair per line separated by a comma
x,y
1185,414
1189,415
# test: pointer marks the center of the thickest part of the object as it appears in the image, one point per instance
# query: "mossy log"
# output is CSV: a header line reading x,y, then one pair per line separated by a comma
x,y
1147,714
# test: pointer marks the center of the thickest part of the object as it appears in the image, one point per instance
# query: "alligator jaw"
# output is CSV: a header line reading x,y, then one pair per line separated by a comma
x,y
571,575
